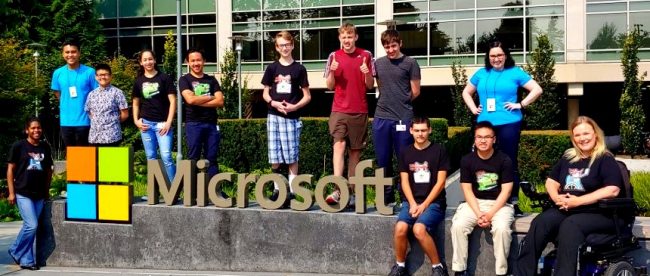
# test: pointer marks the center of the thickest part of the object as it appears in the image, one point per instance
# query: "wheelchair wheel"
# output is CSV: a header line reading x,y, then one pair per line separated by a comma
x,y
620,269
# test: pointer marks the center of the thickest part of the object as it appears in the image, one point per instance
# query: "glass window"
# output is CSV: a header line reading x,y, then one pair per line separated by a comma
x,y
131,46
544,2
553,27
203,19
366,38
284,25
251,49
514,11
604,30
107,8
165,7
497,3
607,7
317,44
347,2
452,38
358,10
321,23
135,22
159,49
281,15
548,10
284,4
318,3
206,42
641,19
636,6
245,5
436,5
166,20
111,46
108,23
202,6
414,39
136,8
271,54
410,7
321,12
246,16
509,31
422,17
442,16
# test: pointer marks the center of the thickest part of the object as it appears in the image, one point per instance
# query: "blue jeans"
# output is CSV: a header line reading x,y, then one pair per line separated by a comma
x,y
387,140
23,248
152,140
203,137
508,141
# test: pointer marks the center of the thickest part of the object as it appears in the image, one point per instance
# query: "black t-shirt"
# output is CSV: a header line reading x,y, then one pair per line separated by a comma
x,y
32,166
423,167
201,87
579,178
286,83
153,94
486,176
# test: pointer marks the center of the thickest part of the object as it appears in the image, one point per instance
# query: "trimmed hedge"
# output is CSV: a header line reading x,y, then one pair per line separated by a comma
x,y
244,145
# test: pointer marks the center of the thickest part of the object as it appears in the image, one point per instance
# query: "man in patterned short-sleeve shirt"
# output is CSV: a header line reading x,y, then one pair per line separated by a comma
x,y
107,108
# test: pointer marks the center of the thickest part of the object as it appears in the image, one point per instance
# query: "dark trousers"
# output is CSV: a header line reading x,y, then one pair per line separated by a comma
x,y
570,231
203,137
75,136
387,140
508,136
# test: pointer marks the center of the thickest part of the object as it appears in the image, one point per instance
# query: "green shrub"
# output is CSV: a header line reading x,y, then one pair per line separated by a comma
x,y
641,183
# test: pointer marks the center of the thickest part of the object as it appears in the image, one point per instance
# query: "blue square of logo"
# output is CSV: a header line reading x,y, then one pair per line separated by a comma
x,y
81,202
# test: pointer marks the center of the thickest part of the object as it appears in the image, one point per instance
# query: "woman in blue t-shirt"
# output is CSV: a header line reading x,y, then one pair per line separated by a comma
x,y
154,106
497,84
585,174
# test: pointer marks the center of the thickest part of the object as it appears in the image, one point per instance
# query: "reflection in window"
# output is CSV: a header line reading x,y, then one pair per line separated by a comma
x,y
281,15
414,37
207,43
320,13
437,5
604,30
441,43
251,49
508,30
358,10
130,46
553,27
317,44
410,7
246,16
452,38
498,3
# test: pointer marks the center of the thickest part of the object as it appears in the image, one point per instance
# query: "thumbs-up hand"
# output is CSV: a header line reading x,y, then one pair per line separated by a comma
x,y
334,64
364,67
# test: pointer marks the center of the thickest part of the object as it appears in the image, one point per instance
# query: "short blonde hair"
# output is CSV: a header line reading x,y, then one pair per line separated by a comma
x,y
574,154
284,34
347,27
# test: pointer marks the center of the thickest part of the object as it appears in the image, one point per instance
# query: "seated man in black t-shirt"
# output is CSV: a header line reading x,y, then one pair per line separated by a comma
x,y
423,169
486,180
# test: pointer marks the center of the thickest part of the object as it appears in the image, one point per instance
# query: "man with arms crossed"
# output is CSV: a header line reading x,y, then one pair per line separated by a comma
x,y
398,80
423,170
486,178
349,73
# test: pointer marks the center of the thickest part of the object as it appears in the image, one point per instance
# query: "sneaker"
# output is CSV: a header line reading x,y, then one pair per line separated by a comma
x,y
333,198
287,203
398,271
275,195
518,212
439,271
352,201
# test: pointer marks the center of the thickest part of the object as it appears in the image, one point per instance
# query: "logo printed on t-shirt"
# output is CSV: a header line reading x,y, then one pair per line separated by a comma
x,y
283,84
421,173
574,179
486,180
150,89
35,161
201,89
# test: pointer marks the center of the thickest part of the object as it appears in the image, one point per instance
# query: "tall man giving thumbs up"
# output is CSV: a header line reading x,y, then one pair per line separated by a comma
x,y
349,72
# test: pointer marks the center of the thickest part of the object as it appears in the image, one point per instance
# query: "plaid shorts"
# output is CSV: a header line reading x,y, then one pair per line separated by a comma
x,y
284,139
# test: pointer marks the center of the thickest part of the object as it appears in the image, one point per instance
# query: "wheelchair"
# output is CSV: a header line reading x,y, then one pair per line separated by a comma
x,y
600,254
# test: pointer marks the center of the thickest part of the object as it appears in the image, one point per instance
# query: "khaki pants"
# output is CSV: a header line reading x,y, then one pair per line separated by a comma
x,y
463,224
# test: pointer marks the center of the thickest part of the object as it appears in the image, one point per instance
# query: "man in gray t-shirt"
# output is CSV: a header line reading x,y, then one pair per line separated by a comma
x,y
398,79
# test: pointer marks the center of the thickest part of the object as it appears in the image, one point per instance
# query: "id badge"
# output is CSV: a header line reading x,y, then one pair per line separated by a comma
x,y
400,127
283,88
73,91
491,104
422,176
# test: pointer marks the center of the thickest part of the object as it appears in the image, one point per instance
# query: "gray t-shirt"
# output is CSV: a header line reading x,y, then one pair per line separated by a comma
x,y
394,80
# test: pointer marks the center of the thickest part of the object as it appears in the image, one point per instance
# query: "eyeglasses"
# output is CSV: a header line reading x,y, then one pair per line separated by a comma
x,y
497,56
286,45
103,75
483,138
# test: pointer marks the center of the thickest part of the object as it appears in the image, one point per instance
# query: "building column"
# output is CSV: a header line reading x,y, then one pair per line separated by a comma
x,y
224,29
383,12
573,104
576,20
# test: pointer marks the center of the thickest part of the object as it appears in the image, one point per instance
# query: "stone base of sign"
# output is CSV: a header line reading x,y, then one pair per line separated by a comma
x,y
256,240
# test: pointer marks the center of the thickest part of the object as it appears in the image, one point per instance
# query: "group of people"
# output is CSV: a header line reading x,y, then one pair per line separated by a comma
x,y
92,109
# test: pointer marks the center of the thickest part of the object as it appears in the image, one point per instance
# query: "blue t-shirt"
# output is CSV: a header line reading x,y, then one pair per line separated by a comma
x,y
502,86
71,106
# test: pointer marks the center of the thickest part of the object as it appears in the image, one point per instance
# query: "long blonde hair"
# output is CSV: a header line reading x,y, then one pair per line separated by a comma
x,y
574,154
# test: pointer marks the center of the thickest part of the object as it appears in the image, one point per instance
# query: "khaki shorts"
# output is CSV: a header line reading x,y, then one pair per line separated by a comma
x,y
349,126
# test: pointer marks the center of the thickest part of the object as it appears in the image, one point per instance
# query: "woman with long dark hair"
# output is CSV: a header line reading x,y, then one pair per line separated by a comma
x,y
154,106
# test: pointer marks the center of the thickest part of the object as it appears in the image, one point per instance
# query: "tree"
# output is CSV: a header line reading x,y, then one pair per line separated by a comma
x,y
632,115
606,37
228,84
169,57
124,73
462,115
545,112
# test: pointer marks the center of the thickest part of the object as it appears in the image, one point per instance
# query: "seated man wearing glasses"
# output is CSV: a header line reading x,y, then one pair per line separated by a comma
x,y
486,180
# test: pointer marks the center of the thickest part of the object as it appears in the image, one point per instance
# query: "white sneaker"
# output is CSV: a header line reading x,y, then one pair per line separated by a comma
x,y
352,201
